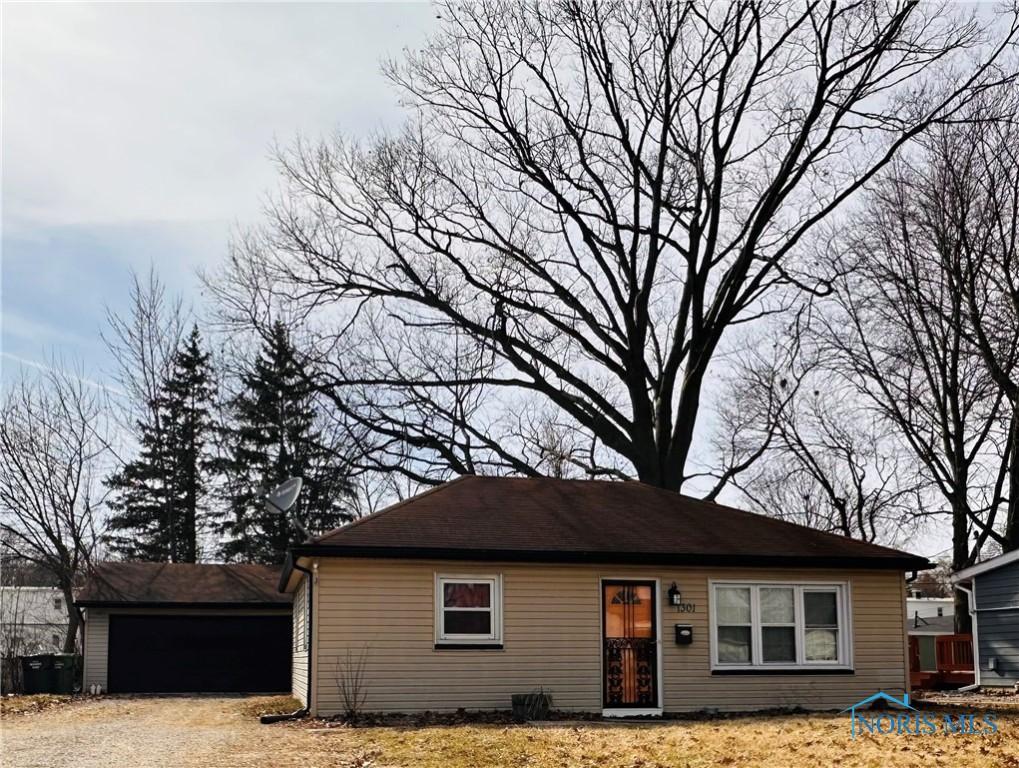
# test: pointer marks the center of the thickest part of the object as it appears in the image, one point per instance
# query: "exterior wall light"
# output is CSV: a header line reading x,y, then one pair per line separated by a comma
x,y
675,597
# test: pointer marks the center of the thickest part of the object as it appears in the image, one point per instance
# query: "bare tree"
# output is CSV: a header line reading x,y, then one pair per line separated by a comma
x,y
586,198
900,333
142,342
52,454
975,169
824,461
14,641
936,582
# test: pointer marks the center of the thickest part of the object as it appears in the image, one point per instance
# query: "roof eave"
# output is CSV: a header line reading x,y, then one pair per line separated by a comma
x,y
251,605
988,565
904,563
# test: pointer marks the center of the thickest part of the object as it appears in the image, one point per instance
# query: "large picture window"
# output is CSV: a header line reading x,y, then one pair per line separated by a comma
x,y
770,625
468,610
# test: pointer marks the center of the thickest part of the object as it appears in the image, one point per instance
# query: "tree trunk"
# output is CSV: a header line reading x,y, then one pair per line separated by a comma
x,y
961,558
73,619
1012,509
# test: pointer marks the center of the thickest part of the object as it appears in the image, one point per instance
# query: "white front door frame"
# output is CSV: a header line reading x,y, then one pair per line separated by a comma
x,y
659,677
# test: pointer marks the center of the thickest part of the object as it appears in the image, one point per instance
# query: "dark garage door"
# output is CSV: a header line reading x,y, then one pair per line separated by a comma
x,y
187,654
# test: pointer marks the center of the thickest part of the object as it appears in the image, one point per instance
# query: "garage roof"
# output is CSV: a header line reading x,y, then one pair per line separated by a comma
x,y
552,520
174,585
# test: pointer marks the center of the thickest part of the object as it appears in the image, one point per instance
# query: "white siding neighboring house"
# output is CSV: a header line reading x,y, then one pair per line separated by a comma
x,y
32,620
929,607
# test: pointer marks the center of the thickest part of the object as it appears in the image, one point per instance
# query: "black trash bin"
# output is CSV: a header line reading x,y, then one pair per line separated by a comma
x,y
63,672
37,673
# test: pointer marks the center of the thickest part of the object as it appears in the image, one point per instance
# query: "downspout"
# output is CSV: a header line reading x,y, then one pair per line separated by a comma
x,y
303,711
971,607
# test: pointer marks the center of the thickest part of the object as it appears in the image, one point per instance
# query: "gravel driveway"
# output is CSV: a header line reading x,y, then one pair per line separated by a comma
x,y
169,731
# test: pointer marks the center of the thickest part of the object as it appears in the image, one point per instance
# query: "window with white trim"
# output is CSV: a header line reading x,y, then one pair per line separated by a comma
x,y
773,625
468,609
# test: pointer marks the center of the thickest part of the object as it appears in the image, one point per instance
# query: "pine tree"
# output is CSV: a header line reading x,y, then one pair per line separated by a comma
x,y
274,436
189,395
161,492
141,507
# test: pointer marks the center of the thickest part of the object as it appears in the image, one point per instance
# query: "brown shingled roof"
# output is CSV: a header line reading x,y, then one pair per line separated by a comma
x,y
549,520
182,584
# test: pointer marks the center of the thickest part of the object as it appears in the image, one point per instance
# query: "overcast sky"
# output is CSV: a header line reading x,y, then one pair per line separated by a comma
x,y
138,133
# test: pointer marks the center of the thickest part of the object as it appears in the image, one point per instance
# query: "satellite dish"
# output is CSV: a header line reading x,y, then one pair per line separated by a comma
x,y
282,497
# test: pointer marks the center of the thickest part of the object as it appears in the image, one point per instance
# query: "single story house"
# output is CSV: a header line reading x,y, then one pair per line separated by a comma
x,y
992,592
611,597
186,628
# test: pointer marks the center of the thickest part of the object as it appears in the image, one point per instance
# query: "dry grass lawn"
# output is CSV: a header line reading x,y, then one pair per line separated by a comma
x,y
753,742
257,706
21,705
206,732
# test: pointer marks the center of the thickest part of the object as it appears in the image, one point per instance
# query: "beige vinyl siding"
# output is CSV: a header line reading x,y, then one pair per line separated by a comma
x,y
97,637
300,677
552,639
300,640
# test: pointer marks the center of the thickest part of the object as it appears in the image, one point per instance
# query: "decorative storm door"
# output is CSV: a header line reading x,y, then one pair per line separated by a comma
x,y
630,647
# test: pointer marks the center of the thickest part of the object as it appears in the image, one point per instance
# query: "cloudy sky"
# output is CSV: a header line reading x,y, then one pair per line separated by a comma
x,y
140,133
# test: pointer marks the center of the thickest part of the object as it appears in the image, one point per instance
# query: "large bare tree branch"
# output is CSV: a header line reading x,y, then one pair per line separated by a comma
x,y
586,198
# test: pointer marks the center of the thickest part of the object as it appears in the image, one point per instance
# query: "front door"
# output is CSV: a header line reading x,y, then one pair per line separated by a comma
x,y
630,648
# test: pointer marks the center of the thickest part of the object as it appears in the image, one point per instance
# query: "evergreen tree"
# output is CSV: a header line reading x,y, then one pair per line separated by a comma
x,y
140,504
274,435
159,494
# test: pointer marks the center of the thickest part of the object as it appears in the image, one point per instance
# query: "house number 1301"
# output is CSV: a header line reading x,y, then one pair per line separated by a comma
x,y
686,608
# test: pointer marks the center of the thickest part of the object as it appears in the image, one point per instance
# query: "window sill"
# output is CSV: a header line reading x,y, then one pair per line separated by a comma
x,y
468,646
795,671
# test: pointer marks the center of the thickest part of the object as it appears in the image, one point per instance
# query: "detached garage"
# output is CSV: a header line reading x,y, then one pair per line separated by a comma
x,y
186,628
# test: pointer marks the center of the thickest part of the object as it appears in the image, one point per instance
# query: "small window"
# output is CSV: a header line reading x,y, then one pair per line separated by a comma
x,y
56,640
941,611
468,609
58,604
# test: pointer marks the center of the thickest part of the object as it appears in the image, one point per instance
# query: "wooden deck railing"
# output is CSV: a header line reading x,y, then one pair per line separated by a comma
x,y
954,661
954,653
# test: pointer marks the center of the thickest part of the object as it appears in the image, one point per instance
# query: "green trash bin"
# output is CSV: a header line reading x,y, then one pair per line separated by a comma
x,y
63,672
37,673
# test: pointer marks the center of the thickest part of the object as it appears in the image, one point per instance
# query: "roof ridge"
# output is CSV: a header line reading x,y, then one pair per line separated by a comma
x,y
553,515
376,515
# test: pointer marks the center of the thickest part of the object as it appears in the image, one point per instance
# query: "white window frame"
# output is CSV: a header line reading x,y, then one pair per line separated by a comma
x,y
762,625
495,590
844,646
801,629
